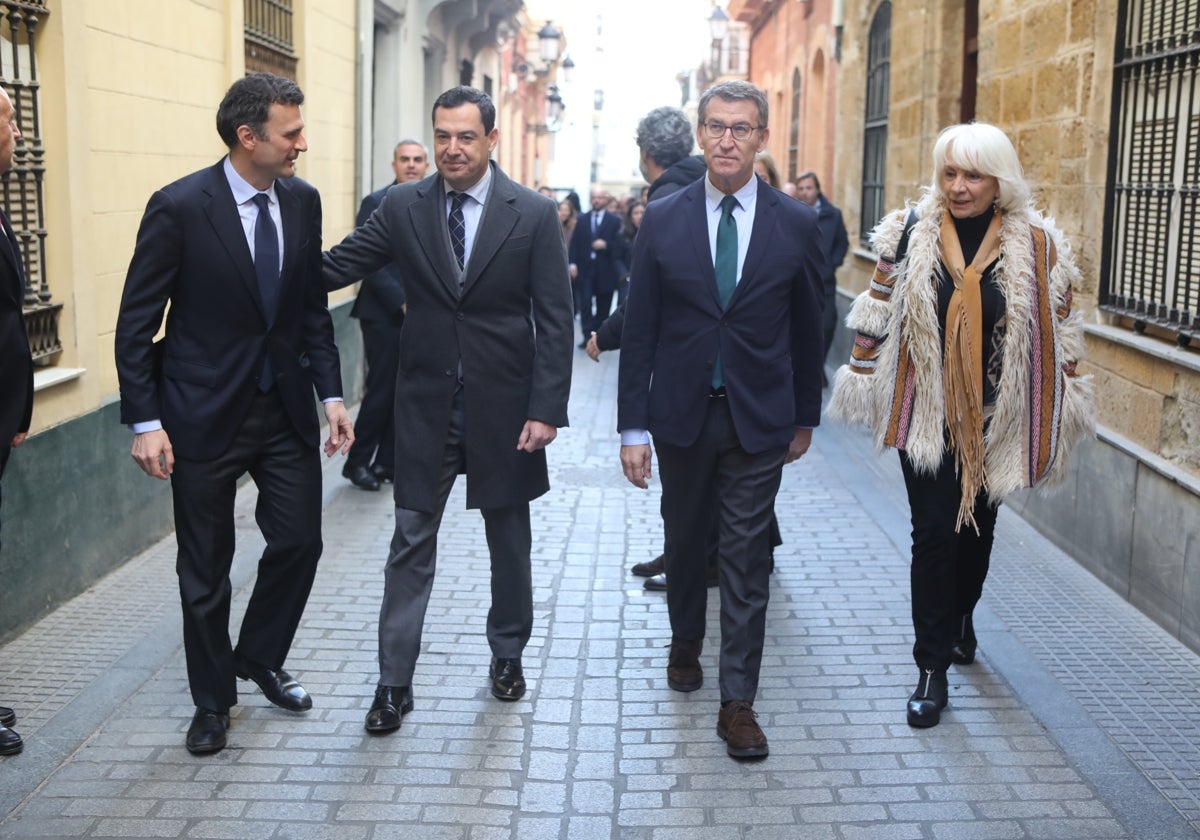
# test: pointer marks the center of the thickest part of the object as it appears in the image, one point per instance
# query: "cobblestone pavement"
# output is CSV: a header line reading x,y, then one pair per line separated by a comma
x,y
1078,720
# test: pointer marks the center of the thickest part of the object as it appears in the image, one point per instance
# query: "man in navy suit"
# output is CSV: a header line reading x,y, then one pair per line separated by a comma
x,y
596,248
379,309
721,365
16,361
236,250
834,243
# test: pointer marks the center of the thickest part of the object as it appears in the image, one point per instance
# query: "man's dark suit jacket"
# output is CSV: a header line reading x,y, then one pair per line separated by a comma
x,y
16,365
605,270
381,295
769,337
191,250
510,328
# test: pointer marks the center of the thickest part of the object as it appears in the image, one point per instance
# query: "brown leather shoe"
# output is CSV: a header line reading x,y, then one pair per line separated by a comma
x,y
736,724
650,568
683,664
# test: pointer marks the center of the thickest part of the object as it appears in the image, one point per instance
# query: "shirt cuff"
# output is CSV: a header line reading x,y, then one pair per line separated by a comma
x,y
332,399
145,426
635,437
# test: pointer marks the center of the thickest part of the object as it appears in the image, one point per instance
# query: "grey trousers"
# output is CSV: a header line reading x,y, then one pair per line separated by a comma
x,y
412,561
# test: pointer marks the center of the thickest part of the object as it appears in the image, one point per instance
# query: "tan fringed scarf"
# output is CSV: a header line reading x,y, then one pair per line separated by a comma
x,y
962,361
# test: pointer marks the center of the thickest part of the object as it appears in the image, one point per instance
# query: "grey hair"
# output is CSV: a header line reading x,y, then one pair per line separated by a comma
x,y
983,148
733,91
410,142
665,135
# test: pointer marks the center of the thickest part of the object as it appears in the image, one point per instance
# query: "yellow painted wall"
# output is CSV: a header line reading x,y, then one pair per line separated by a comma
x,y
129,97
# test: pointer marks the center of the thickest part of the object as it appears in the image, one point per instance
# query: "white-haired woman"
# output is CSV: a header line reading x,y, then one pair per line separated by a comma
x,y
964,361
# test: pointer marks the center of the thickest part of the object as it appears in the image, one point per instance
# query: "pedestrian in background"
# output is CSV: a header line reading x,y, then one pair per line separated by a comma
x,y
379,308
235,250
834,243
485,372
16,359
965,362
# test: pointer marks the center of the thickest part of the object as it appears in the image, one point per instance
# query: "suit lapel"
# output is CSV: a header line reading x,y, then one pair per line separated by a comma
x,y
428,217
697,223
293,237
764,220
223,215
498,220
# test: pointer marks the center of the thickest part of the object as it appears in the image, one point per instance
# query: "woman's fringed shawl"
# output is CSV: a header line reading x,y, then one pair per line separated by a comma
x,y
962,361
896,386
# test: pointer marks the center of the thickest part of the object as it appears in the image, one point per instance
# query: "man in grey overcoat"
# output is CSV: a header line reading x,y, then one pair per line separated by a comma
x,y
485,371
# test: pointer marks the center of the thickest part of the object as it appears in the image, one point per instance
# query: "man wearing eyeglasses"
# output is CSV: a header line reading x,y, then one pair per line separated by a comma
x,y
721,366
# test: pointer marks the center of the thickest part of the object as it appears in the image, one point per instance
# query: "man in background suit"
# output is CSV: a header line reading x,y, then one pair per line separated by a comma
x,y
236,250
16,361
595,251
834,244
379,309
485,371
721,364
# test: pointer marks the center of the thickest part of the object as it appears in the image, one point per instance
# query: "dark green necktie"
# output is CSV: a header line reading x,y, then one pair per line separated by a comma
x,y
726,267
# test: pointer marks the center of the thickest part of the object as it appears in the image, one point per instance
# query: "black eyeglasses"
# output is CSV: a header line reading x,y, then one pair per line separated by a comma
x,y
740,131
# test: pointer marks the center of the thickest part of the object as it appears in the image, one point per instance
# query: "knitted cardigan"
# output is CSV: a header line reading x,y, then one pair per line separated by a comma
x,y
893,382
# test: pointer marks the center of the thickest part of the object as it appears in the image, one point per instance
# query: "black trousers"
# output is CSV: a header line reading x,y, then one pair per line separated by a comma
x,y
948,567
287,472
594,306
5,451
715,474
375,427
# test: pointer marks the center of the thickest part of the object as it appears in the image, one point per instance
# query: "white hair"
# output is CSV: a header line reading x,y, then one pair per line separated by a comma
x,y
983,148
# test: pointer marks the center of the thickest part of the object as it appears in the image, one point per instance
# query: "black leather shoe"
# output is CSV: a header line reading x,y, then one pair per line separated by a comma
x,y
10,742
962,652
658,583
7,716
361,477
926,703
207,732
650,568
508,680
280,687
383,473
391,703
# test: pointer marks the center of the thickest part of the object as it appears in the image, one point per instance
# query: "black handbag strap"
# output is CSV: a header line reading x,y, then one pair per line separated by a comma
x,y
902,247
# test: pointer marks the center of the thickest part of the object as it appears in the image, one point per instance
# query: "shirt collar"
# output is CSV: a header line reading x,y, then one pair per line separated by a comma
x,y
745,196
243,190
479,189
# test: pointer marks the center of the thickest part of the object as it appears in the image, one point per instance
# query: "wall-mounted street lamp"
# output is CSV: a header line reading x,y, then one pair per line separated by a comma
x,y
568,66
548,43
554,113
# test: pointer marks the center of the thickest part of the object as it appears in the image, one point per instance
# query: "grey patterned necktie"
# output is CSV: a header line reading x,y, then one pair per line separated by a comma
x,y
458,227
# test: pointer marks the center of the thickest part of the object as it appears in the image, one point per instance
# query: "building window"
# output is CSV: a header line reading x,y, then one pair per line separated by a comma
x,y
793,161
1151,261
970,80
879,52
21,186
269,41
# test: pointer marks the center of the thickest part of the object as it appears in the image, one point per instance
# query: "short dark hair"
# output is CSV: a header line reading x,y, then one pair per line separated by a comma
x,y
733,91
248,102
665,135
810,174
463,95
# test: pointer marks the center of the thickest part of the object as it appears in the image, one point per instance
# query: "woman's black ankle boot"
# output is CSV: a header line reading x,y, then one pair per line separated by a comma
x,y
962,652
926,703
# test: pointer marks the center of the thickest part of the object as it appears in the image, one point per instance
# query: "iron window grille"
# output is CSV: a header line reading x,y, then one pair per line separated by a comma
x,y
1150,269
270,46
875,124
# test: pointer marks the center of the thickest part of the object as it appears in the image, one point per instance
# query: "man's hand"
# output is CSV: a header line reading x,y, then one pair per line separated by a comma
x,y
573,270
19,438
536,435
599,245
153,453
801,440
635,462
341,430
593,349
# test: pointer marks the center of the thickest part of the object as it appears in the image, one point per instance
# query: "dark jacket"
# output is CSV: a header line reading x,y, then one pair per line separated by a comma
x,y
191,251
834,243
16,364
507,333
768,336
674,178
381,296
